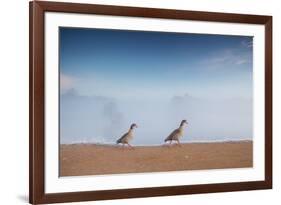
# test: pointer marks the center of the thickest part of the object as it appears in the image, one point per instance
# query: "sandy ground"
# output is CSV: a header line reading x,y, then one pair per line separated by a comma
x,y
92,159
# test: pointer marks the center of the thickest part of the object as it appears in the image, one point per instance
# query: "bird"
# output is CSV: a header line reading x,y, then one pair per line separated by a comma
x,y
177,133
127,136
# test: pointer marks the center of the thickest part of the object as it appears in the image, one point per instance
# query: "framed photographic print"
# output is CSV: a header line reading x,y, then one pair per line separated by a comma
x,y
139,102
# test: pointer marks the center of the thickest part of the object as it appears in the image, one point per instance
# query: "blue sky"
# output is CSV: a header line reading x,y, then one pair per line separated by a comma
x,y
137,70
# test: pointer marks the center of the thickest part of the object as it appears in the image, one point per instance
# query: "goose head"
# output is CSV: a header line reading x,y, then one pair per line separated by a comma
x,y
134,125
183,122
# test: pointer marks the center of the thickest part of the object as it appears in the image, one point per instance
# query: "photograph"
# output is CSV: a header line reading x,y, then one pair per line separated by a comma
x,y
129,102
133,101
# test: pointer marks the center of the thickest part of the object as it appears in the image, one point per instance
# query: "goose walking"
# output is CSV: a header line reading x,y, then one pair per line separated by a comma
x,y
177,133
128,136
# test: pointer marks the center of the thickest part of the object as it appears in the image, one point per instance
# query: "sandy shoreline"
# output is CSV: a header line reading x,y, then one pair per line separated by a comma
x,y
93,159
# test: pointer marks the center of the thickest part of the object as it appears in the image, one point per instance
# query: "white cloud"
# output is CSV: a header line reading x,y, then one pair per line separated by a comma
x,y
241,61
247,44
227,57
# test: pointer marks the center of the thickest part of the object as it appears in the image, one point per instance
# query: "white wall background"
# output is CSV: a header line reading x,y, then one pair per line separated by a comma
x,y
14,100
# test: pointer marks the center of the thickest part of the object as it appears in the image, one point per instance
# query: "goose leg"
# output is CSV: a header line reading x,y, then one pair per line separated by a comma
x,y
178,142
130,145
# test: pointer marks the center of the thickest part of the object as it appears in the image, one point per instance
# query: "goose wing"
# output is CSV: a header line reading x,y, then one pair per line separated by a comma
x,y
122,139
173,135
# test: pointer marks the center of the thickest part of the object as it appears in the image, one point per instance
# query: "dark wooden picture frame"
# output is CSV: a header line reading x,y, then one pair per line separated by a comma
x,y
37,111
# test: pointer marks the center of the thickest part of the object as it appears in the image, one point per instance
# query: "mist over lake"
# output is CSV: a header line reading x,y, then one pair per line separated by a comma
x,y
96,119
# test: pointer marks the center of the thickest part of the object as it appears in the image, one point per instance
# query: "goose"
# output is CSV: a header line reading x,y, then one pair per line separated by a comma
x,y
177,133
127,136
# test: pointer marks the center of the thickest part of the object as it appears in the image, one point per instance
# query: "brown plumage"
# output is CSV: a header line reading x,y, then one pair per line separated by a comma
x,y
128,136
177,133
